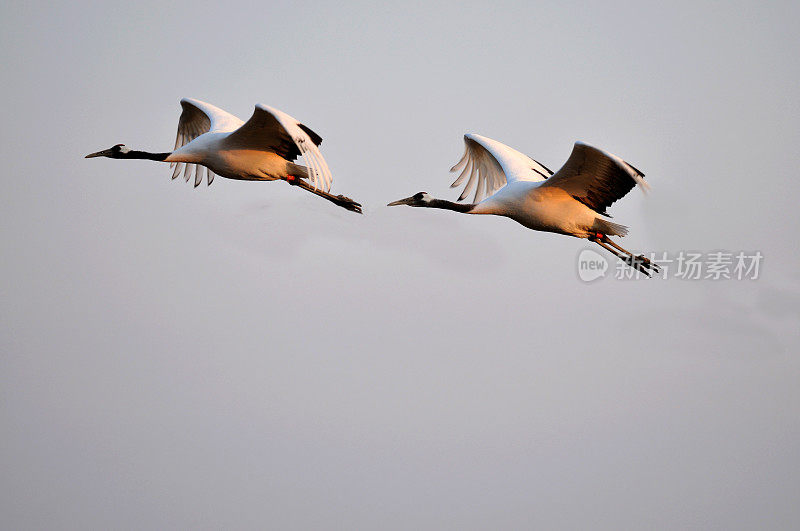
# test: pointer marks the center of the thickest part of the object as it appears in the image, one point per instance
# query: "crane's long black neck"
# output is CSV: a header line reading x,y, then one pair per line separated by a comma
x,y
449,205
133,154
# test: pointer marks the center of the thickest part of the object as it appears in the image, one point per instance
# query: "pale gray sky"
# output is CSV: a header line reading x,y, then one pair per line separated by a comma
x,y
248,356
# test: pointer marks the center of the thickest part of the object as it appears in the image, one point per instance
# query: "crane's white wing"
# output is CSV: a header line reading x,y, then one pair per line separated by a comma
x,y
276,131
596,178
488,165
197,118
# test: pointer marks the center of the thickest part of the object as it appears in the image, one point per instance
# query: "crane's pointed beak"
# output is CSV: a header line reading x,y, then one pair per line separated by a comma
x,y
104,153
406,201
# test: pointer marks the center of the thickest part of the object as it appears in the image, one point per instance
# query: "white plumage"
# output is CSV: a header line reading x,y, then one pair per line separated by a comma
x,y
267,131
488,165
572,201
212,141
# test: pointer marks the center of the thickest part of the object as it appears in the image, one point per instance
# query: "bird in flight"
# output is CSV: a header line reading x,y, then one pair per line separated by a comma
x,y
263,148
571,201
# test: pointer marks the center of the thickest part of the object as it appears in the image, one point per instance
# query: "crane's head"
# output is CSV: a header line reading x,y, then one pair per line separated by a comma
x,y
115,152
416,200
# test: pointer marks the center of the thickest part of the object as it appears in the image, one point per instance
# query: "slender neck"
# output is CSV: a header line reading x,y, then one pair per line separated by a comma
x,y
449,205
132,154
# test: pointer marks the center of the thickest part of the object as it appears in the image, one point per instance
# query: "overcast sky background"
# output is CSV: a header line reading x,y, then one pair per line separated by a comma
x,y
249,356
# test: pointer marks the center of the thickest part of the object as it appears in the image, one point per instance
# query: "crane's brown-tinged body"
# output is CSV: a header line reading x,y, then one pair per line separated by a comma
x,y
212,142
572,201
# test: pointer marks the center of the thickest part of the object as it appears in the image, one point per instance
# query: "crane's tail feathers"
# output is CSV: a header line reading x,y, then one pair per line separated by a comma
x,y
609,228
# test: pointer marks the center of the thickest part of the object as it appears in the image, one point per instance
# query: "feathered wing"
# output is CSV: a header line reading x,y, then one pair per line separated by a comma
x,y
596,178
276,131
197,118
488,165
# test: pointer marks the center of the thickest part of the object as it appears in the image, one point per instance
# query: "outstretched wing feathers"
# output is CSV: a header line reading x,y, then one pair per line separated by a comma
x,y
307,141
178,168
592,176
197,118
275,130
487,165
311,134
268,128
596,178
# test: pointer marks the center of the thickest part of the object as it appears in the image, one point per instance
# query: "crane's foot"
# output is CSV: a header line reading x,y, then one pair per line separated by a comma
x,y
639,262
340,200
347,203
642,264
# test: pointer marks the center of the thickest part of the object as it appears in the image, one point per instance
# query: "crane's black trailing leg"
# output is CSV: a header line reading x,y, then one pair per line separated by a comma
x,y
640,263
641,257
342,201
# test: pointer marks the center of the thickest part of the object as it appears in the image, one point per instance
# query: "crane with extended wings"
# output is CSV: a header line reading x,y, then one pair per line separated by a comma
x,y
571,201
211,141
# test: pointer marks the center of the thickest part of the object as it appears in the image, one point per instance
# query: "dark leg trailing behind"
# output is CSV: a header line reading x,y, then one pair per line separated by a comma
x,y
640,263
342,201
